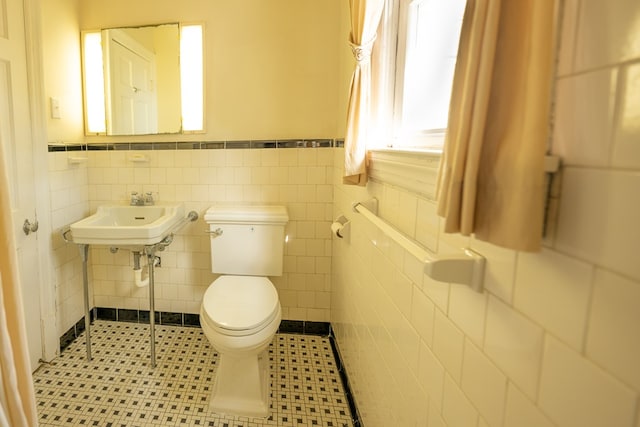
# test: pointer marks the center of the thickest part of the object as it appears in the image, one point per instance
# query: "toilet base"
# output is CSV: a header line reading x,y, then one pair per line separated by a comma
x,y
241,386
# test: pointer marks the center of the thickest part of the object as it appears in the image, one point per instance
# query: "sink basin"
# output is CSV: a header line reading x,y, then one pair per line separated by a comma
x,y
122,225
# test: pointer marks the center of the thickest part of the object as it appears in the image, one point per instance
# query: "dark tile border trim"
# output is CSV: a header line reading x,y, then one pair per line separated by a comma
x,y
186,319
180,319
75,331
142,316
305,327
199,145
355,415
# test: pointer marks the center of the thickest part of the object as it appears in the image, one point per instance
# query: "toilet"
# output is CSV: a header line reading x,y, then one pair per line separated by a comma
x,y
240,311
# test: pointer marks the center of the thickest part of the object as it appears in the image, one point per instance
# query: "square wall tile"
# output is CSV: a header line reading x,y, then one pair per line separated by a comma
x,y
485,385
568,36
584,118
457,411
576,393
598,218
626,149
499,273
467,310
514,343
427,224
554,290
431,375
435,419
613,339
422,315
521,412
438,292
608,33
448,345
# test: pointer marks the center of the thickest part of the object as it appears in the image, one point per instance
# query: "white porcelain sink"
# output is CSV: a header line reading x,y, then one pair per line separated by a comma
x,y
122,225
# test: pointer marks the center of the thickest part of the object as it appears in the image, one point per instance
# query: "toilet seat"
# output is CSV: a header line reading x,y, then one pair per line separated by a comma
x,y
240,305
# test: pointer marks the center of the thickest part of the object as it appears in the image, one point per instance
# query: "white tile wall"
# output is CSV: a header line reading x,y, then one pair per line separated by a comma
x,y
554,340
448,345
297,178
68,184
614,307
457,410
554,290
520,412
598,217
484,384
584,136
607,33
514,343
574,392
626,153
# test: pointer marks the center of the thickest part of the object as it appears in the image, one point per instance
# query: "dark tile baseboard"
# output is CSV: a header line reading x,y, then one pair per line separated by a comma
x,y
75,331
179,319
355,415
142,316
305,327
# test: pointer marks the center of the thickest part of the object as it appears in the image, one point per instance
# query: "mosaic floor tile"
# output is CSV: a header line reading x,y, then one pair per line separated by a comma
x,y
119,387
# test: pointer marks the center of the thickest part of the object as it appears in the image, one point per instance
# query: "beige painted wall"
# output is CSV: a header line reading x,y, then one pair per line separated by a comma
x,y
62,78
272,67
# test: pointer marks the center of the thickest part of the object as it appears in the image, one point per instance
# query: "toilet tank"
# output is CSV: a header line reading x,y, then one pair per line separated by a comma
x,y
247,240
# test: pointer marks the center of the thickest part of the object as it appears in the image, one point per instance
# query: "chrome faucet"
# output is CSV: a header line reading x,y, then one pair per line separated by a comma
x,y
139,200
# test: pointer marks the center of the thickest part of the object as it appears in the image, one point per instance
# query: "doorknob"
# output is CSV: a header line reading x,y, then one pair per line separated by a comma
x,y
29,227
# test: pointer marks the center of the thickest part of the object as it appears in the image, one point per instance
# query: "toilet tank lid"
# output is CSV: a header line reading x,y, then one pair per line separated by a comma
x,y
249,213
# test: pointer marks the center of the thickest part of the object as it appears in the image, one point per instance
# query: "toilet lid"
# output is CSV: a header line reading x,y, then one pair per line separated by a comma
x,y
240,302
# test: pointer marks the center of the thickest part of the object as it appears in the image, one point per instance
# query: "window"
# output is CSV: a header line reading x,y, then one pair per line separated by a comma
x,y
428,36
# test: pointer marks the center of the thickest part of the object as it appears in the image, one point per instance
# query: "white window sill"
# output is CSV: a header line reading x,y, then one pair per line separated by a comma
x,y
413,170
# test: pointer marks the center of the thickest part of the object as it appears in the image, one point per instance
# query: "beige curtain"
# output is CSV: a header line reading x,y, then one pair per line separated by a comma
x,y
491,180
17,397
365,17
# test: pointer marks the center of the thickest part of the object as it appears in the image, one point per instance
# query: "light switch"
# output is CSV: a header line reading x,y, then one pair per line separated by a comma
x,y
55,108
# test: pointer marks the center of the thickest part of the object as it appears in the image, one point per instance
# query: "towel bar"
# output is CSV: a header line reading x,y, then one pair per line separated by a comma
x,y
466,268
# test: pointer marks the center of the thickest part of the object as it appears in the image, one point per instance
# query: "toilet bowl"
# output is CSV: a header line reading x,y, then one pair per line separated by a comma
x,y
240,311
239,316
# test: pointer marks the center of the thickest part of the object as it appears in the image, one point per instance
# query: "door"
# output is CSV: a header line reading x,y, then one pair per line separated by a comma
x,y
16,141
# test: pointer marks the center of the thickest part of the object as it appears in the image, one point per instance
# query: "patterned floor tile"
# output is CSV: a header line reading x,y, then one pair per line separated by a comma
x,y
119,387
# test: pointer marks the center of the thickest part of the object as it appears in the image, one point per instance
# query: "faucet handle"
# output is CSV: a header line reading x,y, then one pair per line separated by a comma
x,y
148,198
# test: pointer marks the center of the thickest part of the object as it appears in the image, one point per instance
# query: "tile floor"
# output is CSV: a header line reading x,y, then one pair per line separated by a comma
x,y
119,388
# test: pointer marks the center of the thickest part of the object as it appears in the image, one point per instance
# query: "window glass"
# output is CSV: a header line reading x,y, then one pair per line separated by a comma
x,y
428,36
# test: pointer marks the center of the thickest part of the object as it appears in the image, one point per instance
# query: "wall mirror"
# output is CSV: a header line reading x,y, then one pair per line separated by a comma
x,y
143,80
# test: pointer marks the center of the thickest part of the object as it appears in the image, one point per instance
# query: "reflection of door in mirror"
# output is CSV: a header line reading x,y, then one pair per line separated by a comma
x,y
130,80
